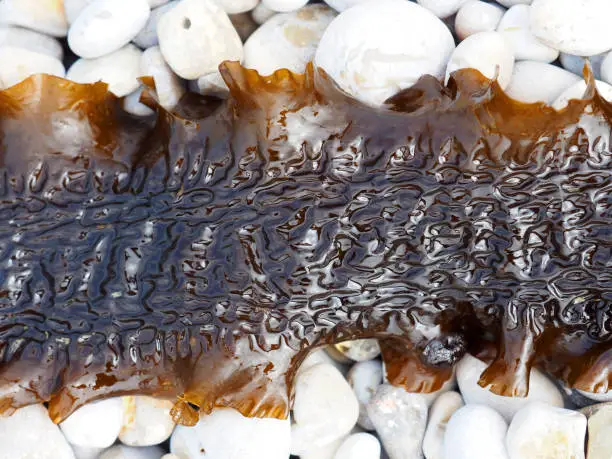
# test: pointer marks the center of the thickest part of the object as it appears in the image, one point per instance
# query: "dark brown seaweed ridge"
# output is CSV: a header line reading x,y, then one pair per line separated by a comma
x,y
201,255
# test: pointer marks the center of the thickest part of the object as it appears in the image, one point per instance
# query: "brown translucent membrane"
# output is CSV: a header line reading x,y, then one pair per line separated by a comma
x,y
200,255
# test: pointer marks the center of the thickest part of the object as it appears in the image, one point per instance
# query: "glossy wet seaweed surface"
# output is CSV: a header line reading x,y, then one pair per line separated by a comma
x,y
200,255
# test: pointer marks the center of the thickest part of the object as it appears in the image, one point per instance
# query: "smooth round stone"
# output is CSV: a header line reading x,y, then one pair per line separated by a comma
x,y
476,16
95,425
579,27
359,446
324,408
374,66
487,52
442,8
364,378
19,63
196,36
105,26
212,85
542,431
541,389
341,5
132,104
475,432
168,86
226,434
45,16
539,82
31,40
147,37
359,350
119,70
129,452
597,396
85,452
30,433
439,414
575,64
262,13
287,40
237,6
74,7
509,3
577,91
514,26
400,419
146,421
600,430
284,6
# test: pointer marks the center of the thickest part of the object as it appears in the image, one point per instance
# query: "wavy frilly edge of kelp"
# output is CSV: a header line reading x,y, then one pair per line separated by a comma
x,y
43,113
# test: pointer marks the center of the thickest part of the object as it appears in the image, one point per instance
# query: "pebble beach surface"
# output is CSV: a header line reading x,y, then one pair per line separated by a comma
x,y
343,406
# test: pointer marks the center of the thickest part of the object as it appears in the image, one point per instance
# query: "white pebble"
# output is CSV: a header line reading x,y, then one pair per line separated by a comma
x,y
400,419
374,66
212,85
168,86
327,451
579,27
132,104
476,16
85,452
226,434
514,27
105,26
359,350
146,421
147,37
19,63
475,432
364,378
600,430
262,13
541,389
442,8
324,408
284,6
577,91
96,424
341,5
359,446
487,52
129,452
31,40
119,70
287,40
542,431
196,36
539,82
74,7
575,64
237,6
46,16
439,414
509,3
30,433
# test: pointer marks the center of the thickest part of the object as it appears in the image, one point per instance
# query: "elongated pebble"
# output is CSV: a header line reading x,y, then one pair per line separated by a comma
x,y
19,63
364,378
31,40
539,82
45,16
95,425
439,414
168,85
104,26
476,16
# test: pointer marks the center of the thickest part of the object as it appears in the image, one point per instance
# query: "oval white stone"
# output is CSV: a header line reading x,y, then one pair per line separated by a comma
x,y
95,425
168,86
400,419
442,8
19,63
579,27
46,16
341,5
30,433
324,408
577,90
540,430
475,432
374,66
129,452
31,40
487,52
539,82
514,27
146,421
105,26
147,37
196,36
541,389
287,40
119,70
364,378
284,6
226,434
476,16
359,446
439,414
